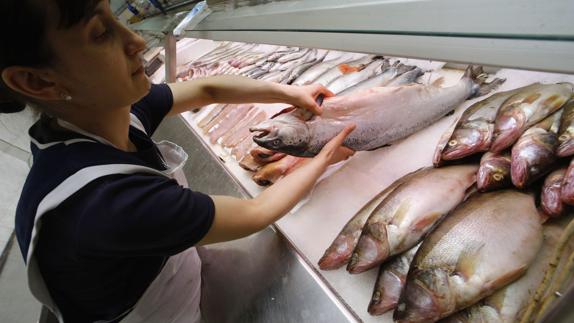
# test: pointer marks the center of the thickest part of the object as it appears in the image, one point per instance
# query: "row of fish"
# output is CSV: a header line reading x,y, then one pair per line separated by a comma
x,y
524,133
442,247
342,73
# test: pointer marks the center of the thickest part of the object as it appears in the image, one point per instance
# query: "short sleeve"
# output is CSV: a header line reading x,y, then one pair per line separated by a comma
x,y
152,108
141,215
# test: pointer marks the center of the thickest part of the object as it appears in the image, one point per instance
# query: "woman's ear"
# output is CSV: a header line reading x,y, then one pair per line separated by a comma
x,y
31,82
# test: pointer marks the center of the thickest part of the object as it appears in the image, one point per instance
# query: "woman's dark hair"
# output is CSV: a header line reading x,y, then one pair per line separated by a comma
x,y
23,24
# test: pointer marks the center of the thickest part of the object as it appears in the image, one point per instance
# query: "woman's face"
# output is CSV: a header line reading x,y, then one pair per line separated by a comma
x,y
98,62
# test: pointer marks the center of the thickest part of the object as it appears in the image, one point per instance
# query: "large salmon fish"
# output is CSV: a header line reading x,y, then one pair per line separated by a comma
x,y
381,115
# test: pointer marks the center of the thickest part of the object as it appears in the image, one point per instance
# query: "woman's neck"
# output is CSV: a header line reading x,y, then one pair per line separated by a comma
x,y
112,125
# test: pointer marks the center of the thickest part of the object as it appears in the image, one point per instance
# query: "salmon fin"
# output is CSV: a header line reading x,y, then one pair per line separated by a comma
x,y
468,260
506,279
478,77
438,82
425,222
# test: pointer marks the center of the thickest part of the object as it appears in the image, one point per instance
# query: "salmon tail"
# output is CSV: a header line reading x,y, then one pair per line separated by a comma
x,y
478,77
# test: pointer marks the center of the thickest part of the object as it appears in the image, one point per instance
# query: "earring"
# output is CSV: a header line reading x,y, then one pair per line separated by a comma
x,y
66,97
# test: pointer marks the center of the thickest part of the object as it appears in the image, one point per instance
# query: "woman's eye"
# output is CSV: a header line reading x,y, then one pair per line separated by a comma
x,y
102,34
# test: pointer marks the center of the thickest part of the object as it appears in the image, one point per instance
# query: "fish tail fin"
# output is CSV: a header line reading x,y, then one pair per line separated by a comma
x,y
478,77
402,68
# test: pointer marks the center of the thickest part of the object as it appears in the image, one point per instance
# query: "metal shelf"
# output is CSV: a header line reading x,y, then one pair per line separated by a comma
x,y
525,34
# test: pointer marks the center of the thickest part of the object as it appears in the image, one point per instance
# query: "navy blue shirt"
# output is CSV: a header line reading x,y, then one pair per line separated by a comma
x,y
100,249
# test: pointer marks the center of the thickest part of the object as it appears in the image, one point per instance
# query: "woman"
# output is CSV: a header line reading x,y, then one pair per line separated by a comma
x,y
106,233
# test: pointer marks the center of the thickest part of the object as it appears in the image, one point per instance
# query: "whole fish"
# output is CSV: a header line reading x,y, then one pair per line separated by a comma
x,y
389,77
293,56
382,115
524,109
474,129
390,282
533,154
345,81
409,212
567,189
406,74
494,172
317,70
486,243
550,194
341,249
344,68
566,131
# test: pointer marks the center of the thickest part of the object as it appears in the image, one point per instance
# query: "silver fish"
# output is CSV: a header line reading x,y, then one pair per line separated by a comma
x,y
317,70
390,282
506,304
342,69
382,115
473,130
524,109
348,80
566,131
486,243
494,172
534,153
409,212
341,249
388,74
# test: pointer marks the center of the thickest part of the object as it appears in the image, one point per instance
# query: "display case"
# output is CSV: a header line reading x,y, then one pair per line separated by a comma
x,y
523,41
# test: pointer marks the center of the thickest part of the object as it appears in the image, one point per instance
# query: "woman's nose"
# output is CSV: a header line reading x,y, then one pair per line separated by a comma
x,y
135,44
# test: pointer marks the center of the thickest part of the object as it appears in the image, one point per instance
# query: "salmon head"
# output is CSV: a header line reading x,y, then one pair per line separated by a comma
x,y
285,133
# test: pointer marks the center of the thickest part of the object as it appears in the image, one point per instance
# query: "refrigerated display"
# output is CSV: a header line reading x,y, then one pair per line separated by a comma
x,y
251,41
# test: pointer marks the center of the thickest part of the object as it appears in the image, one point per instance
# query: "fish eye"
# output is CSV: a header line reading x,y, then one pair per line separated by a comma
x,y
276,142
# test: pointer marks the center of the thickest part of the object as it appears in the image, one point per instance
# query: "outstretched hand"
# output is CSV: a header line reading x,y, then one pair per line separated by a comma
x,y
334,151
305,96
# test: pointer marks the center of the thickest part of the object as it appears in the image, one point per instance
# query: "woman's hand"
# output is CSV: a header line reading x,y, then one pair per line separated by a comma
x,y
334,151
305,96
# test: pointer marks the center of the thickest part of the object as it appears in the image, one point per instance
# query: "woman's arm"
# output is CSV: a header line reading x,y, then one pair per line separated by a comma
x,y
236,218
194,94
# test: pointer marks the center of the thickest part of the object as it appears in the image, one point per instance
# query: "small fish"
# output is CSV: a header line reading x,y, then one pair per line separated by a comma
x,y
409,212
494,172
533,154
566,131
342,69
486,243
317,70
473,130
390,282
567,189
524,109
550,194
341,249
348,80
389,75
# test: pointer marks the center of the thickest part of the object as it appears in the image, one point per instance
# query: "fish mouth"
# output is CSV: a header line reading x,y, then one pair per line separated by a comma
x,y
519,173
369,253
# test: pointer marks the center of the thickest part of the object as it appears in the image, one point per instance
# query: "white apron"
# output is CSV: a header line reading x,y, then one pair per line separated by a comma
x,y
174,295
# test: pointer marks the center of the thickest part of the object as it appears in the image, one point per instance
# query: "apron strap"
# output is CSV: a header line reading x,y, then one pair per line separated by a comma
x,y
67,188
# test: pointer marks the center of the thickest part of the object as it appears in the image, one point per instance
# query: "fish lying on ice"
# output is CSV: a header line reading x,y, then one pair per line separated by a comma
x,y
486,243
473,130
390,282
550,201
410,212
566,131
381,115
494,172
341,249
507,304
534,153
524,109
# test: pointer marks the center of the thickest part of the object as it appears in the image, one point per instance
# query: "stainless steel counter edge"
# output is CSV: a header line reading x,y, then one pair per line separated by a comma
x,y
333,295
